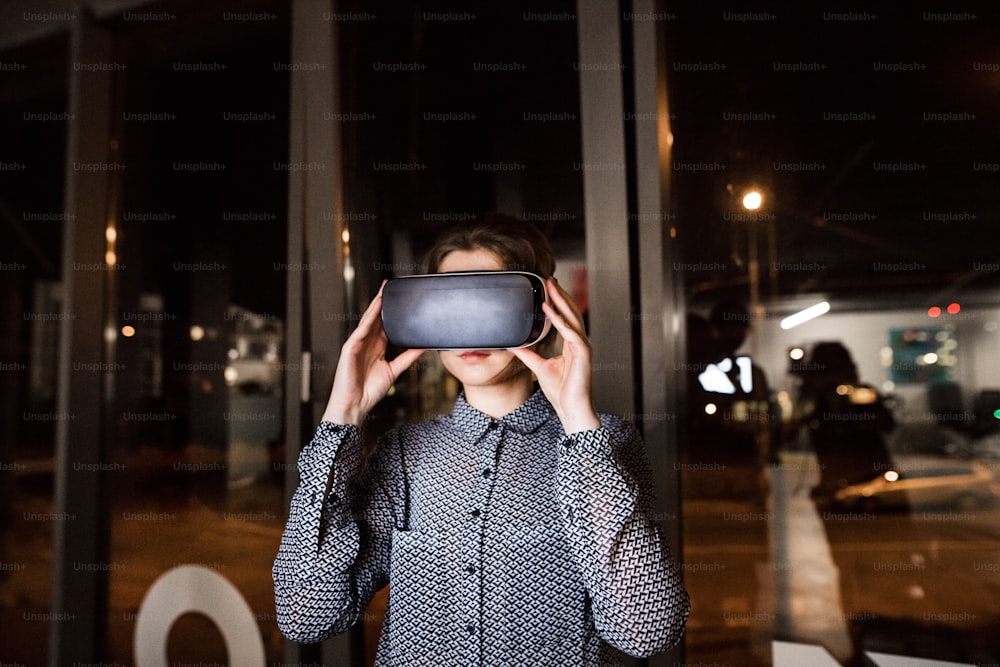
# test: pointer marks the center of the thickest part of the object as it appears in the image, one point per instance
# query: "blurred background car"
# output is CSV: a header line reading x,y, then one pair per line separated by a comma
x,y
923,482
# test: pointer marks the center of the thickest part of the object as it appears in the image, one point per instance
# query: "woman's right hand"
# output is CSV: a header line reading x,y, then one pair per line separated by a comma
x,y
364,376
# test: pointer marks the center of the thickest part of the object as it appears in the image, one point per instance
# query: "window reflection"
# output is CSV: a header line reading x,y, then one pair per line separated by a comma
x,y
199,424
873,301
32,221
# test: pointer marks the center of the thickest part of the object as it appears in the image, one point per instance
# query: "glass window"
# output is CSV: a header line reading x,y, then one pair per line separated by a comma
x,y
834,182
32,219
192,389
197,435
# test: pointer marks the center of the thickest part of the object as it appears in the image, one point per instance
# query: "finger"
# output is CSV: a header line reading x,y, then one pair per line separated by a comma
x,y
369,318
373,314
403,361
529,358
566,328
567,309
565,299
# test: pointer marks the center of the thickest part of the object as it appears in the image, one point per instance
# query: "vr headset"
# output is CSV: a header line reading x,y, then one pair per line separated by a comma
x,y
468,310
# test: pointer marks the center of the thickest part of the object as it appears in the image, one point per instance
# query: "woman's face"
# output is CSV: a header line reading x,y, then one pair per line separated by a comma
x,y
479,368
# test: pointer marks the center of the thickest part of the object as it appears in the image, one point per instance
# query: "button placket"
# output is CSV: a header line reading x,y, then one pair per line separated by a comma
x,y
470,568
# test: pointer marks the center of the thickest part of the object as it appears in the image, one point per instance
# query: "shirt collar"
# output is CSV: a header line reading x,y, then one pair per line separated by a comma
x,y
525,418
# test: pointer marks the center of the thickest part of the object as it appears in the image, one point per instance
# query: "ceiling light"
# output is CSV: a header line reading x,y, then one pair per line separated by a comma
x,y
805,315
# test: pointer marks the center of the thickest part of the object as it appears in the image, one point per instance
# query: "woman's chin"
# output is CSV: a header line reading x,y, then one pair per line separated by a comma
x,y
483,367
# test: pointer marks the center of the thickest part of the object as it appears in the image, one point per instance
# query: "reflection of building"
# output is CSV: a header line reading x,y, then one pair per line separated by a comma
x,y
255,352
44,336
254,381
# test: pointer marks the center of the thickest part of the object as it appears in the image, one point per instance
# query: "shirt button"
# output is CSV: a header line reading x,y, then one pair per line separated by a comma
x,y
471,569
470,628
475,513
487,472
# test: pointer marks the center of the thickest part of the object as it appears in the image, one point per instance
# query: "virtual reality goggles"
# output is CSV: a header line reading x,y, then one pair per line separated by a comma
x,y
473,310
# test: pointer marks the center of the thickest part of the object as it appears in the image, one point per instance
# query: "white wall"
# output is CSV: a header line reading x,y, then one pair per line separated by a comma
x,y
866,333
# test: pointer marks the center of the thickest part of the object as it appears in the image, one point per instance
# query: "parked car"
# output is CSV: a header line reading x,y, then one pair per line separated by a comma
x,y
923,482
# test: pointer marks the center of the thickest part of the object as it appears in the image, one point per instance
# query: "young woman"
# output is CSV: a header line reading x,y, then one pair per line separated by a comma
x,y
514,531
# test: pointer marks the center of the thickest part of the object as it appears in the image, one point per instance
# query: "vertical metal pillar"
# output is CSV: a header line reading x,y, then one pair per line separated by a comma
x,y
660,296
79,604
296,368
605,202
316,288
626,142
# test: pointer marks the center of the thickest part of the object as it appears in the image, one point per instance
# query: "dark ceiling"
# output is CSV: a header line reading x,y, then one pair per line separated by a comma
x,y
873,132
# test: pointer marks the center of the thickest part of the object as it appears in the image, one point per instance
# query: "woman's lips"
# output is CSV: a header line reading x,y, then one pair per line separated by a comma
x,y
473,355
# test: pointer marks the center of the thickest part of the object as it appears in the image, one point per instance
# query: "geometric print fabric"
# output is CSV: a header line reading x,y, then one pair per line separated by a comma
x,y
504,542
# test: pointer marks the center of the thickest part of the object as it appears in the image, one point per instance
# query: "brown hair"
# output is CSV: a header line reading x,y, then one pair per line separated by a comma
x,y
520,245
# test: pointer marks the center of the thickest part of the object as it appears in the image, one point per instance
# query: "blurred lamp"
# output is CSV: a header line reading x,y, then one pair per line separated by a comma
x,y
752,200
805,315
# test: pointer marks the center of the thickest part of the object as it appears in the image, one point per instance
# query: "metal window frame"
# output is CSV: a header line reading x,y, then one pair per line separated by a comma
x,y
314,241
625,121
82,525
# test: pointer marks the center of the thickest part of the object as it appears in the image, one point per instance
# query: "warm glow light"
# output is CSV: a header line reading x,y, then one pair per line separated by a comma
x,y
111,234
930,358
805,315
345,236
954,308
128,331
752,200
710,408
110,258
197,333
934,311
796,353
863,395
891,475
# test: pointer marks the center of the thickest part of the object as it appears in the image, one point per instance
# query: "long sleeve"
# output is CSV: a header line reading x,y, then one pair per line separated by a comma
x,y
335,548
639,602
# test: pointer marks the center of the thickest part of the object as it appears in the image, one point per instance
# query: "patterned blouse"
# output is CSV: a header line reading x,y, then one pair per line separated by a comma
x,y
506,542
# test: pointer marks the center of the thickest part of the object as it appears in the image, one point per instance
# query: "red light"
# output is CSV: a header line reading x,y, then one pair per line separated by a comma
x,y
934,311
954,308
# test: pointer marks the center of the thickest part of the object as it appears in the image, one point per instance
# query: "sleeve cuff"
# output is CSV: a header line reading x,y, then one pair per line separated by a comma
x,y
594,440
341,442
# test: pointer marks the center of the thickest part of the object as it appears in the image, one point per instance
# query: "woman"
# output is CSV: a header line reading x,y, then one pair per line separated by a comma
x,y
514,531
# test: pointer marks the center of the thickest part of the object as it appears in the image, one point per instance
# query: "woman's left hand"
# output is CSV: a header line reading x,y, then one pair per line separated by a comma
x,y
565,380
